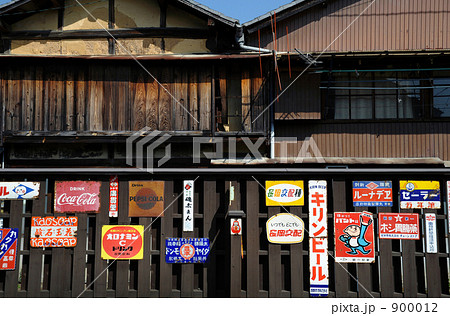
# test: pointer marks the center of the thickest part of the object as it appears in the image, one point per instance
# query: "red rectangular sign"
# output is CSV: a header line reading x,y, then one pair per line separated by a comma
x,y
398,226
53,231
354,237
77,196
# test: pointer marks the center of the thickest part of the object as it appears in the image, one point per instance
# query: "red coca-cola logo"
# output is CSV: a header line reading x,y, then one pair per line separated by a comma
x,y
77,196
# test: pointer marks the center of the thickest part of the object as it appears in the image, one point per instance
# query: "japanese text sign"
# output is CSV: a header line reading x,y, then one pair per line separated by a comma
x,y
187,250
448,203
188,206
19,190
77,196
372,193
113,196
287,193
354,237
146,199
398,226
122,242
318,265
53,232
8,248
318,243
285,228
420,194
430,232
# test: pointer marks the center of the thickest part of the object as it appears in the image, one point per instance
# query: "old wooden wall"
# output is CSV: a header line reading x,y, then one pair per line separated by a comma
x,y
118,96
401,268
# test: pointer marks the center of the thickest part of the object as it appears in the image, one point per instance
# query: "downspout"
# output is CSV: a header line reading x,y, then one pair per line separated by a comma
x,y
241,42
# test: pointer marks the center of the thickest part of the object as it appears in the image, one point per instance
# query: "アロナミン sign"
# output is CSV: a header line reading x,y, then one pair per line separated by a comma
x,y
122,242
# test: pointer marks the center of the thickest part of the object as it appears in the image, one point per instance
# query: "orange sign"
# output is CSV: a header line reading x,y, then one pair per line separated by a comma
x,y
146,199
53,231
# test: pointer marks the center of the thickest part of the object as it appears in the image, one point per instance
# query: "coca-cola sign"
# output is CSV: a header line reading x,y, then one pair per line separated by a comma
x,y
77,196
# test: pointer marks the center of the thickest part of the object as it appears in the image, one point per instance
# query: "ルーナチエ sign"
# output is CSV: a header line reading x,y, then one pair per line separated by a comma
x,y
146,199
19,190
123,242
53,231
286,193
285,228
187,250
354,237
8,248
420,194
77,196
398,226
372,193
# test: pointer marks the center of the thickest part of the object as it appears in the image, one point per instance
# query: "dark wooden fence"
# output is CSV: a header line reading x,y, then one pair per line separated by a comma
x,y
401,268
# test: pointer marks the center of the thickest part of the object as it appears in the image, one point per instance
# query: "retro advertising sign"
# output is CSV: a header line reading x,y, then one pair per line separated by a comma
x,y
19,190
187,250
122,242
77,196
188,206
8,248
430,232
448,203
318,266
146,199
398,226
354,237
285,228
287,193
372,193
420,194
318,232
53,231
113,196
236,226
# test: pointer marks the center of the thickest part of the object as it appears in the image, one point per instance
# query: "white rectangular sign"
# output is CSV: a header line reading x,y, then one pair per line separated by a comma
x,y
430,232
113,196
19,190
188,205
318,233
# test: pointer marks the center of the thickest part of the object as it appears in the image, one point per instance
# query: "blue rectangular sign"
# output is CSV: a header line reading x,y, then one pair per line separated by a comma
x,y
187,250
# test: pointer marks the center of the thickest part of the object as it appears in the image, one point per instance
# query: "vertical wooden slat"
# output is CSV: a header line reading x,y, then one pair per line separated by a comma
x,y
432,264
144,266
246,101
386,263
79,257
122,266
252,234
166,232
151,102
60,272
110,100
274,262
34,272
409,266
70,100
165,109
297,262
59,87
342,279
95,97
81,100
28,99
210,206
204,89
193,100
235,245
139,109
15,221
100,264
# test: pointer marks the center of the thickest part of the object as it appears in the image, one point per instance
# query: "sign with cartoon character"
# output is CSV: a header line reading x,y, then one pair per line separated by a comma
x,y
19,190
354,237
236,226
420,194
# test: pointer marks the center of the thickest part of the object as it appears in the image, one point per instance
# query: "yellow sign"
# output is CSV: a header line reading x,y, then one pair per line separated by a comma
x,y
286,193
419,185
124,242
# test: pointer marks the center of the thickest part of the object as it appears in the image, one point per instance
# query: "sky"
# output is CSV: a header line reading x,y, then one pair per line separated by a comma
x,y
243,10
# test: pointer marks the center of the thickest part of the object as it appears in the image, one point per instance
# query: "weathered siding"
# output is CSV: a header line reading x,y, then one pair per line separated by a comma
x,y
371,139
401,25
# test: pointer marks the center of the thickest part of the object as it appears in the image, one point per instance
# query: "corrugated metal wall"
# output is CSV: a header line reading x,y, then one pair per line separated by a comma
x,y
371,140
386,26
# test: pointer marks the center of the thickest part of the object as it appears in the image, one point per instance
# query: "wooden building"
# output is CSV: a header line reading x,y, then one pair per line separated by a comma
x,y
78,83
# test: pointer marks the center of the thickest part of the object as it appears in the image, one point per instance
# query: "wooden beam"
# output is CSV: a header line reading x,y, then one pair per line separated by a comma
x,y
175,32
163,13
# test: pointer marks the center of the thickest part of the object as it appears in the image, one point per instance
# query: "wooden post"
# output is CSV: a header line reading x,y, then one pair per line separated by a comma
x,y
235,243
